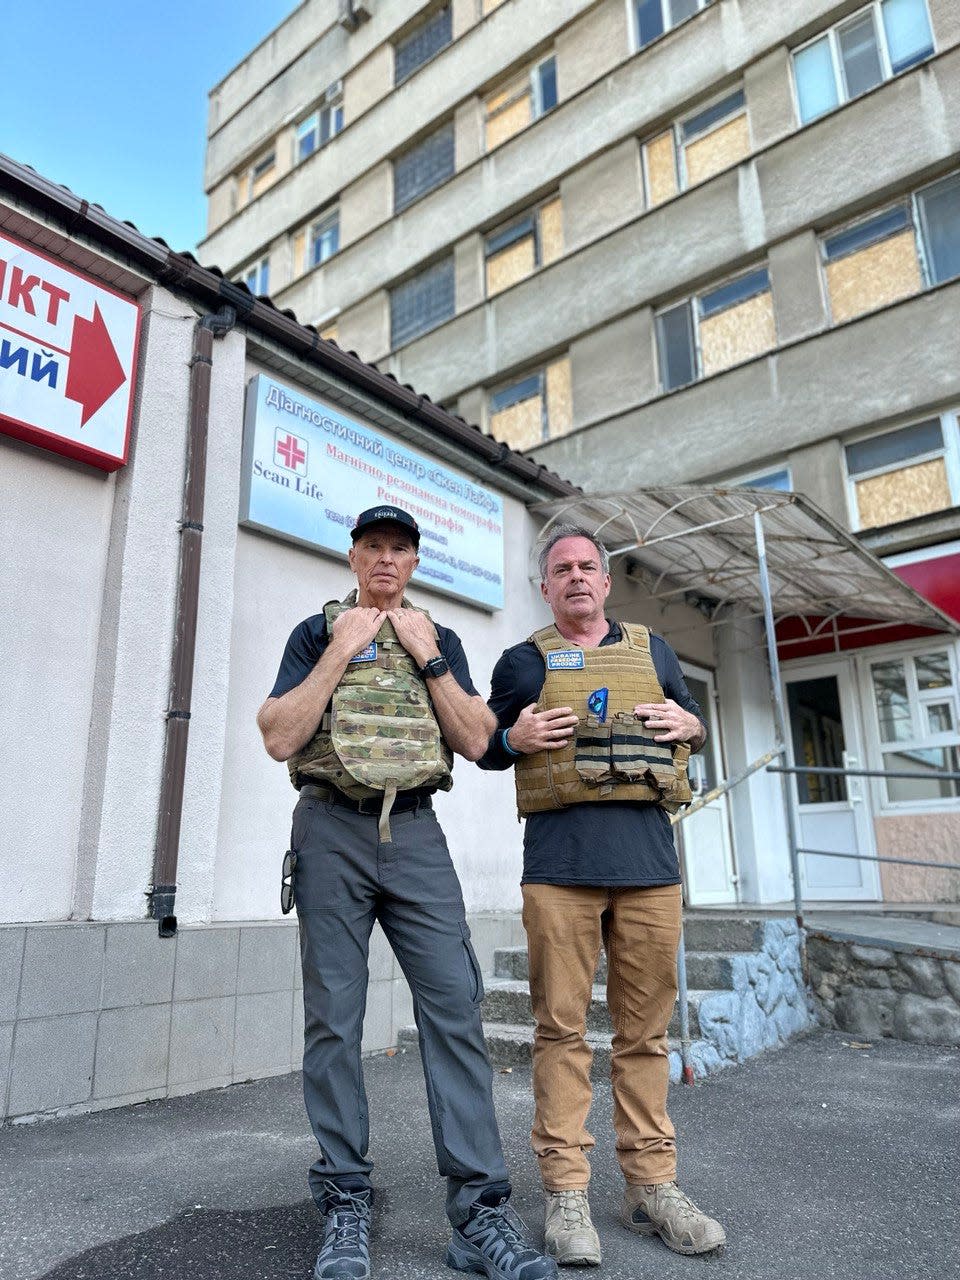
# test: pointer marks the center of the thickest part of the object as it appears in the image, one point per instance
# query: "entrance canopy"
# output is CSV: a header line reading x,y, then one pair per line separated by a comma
x,y
697,546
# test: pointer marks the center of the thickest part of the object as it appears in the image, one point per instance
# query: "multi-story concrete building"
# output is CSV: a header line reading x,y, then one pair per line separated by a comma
x,y
658,241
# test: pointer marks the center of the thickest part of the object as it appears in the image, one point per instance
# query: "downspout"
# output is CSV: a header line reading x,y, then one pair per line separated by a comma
x,y
163,893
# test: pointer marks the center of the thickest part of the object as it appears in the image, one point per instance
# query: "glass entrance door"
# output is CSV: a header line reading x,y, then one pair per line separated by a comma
x,y
832,812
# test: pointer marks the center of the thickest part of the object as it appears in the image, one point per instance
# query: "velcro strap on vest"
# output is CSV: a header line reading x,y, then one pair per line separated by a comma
x,y
383,827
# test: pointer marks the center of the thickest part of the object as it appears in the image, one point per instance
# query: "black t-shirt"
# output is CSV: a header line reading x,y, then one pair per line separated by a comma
x,y
613,843
308,641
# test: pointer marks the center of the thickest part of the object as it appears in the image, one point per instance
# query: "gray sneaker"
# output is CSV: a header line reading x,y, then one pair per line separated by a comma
x,y
493,1243
345,1252
568,1233
666,1211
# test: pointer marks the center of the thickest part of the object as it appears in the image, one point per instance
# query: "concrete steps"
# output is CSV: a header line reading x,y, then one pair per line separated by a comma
x,y
730,969
508,1001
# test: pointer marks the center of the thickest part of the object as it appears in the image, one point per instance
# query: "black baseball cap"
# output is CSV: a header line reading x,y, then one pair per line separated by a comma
x,y
386,515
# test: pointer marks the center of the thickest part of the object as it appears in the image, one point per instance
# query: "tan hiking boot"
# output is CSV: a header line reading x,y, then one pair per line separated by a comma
x,y
665,1211
568,1233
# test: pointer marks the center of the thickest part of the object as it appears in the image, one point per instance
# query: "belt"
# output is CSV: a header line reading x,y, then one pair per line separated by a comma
x,y
372,805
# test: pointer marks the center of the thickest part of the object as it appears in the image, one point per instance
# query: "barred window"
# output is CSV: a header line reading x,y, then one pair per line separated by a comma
x,y
423,44
423,302
423,167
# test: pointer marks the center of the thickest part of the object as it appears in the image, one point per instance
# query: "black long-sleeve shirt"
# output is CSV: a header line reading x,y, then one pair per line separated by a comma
x,y
609,843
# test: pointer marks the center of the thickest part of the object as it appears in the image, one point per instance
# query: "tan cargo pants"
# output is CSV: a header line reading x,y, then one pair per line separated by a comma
x,y
640,929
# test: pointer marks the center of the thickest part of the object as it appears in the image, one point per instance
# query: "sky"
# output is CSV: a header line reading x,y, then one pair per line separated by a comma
x,y
109,98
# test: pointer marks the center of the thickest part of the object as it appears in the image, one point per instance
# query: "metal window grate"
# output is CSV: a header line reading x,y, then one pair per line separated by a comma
x,y
423,44
423,302
423,167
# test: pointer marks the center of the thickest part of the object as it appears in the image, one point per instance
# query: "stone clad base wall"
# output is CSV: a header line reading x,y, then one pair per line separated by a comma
x,y
766,1005
889,990
102,1015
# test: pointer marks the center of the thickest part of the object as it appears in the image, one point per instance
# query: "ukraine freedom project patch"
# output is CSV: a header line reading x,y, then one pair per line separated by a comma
x,y
369,654
565,660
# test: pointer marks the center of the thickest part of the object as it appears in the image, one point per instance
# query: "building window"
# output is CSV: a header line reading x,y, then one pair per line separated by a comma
x,y
696,147
871,263
655,17
779,479
257,277
720,328
261,174
423,302
523,245
849,59
534,408
423,44
895,252
522,100
938,207
901,474
321,125
423,167
917,717
324,238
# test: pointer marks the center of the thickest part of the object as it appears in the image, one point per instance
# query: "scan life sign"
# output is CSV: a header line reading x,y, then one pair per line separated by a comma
x,y
68,352
308,471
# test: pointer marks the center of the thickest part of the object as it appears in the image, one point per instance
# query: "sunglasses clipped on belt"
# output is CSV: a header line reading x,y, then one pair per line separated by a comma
x,y
287,896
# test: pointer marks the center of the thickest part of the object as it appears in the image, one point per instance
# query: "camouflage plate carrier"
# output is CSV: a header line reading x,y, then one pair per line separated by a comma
x,y
380,735
615,760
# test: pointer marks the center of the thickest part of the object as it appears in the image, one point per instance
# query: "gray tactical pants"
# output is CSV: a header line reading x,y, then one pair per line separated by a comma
x,y
345,879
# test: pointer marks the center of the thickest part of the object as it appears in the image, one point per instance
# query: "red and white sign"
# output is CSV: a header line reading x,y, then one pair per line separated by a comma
x,y
68,354
290,451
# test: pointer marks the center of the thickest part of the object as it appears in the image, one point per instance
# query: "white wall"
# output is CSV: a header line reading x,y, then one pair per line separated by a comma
x,y
54,529
276,586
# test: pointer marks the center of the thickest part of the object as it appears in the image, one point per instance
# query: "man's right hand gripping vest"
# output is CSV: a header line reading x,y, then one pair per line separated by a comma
x,y
615,760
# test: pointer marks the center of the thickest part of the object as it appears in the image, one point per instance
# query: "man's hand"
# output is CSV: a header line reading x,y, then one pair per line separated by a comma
x,y
354,629
541,730
674,724
416,633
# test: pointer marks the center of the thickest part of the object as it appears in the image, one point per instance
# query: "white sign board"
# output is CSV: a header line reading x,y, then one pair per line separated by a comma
x,y
308,471
68,354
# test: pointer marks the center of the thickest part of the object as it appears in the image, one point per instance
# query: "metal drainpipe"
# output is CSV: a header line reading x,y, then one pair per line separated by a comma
x,y
162,895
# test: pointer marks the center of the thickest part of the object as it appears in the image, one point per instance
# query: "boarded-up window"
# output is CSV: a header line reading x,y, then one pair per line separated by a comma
x,y
899,475
736,322
723,327
516,250
263,173
523,99
715,138
695,148
535,408
872,263
660,159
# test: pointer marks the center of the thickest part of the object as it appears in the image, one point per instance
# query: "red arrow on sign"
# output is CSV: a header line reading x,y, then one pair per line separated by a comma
x,y
95,371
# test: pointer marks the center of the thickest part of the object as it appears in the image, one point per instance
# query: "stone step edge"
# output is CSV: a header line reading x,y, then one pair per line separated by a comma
x,y
521,986
517,1033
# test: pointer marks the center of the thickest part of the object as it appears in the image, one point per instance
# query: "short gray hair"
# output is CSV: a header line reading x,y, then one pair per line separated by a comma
x,y
561,531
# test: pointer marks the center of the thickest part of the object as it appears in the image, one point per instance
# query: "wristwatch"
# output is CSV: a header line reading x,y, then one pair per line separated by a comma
x,y
437,666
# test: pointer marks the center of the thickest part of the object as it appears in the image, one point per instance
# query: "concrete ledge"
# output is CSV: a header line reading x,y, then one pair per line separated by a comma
x,y
103,1015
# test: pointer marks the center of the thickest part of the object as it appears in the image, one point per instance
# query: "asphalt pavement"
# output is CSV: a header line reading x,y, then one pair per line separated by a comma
x,y
825,1159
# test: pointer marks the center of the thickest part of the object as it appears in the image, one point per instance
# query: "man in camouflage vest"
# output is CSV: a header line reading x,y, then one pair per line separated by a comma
x,y
370,703
598,722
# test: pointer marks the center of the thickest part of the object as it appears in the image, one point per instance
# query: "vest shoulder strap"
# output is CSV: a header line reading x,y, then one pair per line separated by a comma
x,y
548,638
636,635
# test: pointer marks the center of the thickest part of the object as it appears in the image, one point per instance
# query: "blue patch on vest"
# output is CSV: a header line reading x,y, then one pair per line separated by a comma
x,y
565,660
369,654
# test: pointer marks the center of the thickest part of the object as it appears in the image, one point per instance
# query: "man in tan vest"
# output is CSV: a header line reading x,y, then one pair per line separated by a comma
x,y
371,700
598,722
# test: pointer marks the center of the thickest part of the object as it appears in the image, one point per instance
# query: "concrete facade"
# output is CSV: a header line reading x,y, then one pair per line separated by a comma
x,y
636,243
96,1009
